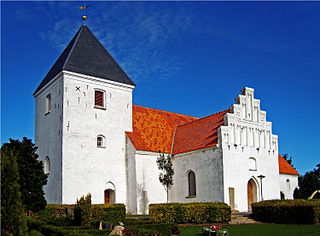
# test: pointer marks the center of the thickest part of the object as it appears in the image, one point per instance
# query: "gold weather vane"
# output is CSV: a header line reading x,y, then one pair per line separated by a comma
x,y
84,8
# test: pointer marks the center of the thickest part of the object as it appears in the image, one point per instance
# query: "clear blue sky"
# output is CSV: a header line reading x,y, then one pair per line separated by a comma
x,y
187,57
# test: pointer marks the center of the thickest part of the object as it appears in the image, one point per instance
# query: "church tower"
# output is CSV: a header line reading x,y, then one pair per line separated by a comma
x,y
83,109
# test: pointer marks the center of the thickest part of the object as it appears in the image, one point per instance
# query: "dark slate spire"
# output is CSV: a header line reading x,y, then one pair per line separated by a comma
x,y
86,55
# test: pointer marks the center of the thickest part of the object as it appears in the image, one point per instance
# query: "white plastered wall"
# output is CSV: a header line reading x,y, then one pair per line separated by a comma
x,y
87,168
247,134
131,178
207,166
149,190
288,183
48,136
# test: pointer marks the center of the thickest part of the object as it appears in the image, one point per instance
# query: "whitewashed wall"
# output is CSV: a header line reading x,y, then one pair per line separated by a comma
x,y
288,187
86,167
131,178
48,133
148,189
207,165
247,134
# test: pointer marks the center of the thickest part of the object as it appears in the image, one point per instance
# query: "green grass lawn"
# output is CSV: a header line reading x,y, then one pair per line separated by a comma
x,y
259,230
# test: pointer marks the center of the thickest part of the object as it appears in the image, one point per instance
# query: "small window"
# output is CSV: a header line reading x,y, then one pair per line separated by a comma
x,y
252,164
99,99
101,141
192,183
48,103
47,165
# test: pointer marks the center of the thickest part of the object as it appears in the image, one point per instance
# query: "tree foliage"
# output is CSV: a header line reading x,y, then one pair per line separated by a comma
x,y
309,182
83,210
166,176
288,159
32,177
12,217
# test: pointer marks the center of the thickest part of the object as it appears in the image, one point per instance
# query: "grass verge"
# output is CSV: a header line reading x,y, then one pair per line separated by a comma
x,y
259,230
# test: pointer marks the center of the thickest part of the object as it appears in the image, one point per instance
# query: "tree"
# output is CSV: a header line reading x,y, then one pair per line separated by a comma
x,y
297,194
166,177
83,211
309,182
32,177
288,159
12,217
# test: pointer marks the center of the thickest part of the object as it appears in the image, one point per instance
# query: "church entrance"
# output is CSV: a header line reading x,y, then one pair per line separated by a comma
x,y
108,196
252,193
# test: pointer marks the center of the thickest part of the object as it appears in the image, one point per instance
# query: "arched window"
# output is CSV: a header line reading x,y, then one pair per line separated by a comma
x,y
48,104
47,165
252,163
192,183
101,141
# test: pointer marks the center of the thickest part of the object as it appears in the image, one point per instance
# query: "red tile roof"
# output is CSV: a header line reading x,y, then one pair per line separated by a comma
x,y
285,167
153,129
198,134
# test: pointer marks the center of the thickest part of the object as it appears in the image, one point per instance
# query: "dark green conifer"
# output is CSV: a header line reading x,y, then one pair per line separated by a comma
x,y
32,176
13,221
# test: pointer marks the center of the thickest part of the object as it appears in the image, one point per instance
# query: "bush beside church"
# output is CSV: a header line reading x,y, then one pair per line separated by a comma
x,y
299,211
197,212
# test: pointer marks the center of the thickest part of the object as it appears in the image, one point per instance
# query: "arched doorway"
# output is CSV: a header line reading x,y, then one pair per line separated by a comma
x,y
252,193
108,196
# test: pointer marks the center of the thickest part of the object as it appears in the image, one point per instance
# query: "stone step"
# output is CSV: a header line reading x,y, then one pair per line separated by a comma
x,y
242,218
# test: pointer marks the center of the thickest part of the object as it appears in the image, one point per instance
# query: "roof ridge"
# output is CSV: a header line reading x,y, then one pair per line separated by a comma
x,y
74,43
204,117
166,111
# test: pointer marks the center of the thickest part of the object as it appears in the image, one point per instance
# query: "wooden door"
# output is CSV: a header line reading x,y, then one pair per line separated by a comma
x,y
250,195
106,197
231,198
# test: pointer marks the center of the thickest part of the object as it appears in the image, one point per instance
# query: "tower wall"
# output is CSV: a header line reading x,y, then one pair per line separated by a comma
x,y
48,136
87,168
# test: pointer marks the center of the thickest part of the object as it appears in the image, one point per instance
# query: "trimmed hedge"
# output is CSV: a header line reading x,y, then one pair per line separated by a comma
x,y
197,212
56,214
109,212
45,229
298,211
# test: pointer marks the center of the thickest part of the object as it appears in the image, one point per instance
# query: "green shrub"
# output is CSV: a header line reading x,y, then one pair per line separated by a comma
x,y
109,212
83,211
54,214
298,211
45,229
206,212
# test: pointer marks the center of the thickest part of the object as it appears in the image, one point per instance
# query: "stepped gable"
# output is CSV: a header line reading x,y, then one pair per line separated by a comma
x,y
285,167
198,134
86,55
153,129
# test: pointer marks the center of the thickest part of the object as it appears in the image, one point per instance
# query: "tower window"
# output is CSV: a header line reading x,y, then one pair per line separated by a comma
x,y
101,141
48,103
99,99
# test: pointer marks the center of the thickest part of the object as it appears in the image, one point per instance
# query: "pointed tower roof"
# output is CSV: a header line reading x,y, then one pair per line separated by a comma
x,y
86,55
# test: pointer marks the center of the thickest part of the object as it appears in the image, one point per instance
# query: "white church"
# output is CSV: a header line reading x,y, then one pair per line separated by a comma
x,y
92,139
